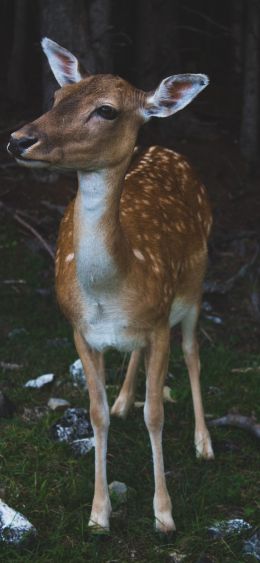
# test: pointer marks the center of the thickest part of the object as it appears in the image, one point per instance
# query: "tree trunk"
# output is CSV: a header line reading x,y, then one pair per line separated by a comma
x,y
99,14
83,28
157,41
16,82
237,35
249,138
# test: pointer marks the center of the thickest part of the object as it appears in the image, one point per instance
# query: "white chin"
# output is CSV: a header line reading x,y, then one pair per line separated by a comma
x,y
32,163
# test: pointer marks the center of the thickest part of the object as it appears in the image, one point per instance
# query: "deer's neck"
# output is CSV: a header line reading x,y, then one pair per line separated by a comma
x,y
100,246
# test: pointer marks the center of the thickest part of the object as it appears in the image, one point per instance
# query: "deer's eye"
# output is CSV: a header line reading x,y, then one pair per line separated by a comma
x,y
107,112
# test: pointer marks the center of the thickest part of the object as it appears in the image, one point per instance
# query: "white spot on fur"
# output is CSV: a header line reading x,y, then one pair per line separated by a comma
x,y
70,257
138,254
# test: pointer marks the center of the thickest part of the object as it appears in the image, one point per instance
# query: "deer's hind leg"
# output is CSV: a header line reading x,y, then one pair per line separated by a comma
x,y
191,355
126,396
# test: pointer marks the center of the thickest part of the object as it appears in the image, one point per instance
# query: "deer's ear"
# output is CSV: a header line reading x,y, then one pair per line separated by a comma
x,y
64,65
173,94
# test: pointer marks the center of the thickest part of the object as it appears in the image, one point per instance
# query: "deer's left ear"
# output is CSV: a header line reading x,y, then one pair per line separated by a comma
x,y
63,63
173,94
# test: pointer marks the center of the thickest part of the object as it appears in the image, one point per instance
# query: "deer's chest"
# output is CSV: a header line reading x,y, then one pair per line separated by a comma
x,y
106,324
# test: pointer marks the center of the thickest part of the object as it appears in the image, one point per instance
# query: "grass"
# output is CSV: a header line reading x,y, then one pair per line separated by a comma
x,y
54,490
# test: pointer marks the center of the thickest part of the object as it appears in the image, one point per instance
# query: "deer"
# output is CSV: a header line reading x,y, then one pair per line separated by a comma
x,y
132,247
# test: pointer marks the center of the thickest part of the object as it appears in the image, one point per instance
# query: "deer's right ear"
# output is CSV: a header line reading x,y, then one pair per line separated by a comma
x,y
173,94
63,63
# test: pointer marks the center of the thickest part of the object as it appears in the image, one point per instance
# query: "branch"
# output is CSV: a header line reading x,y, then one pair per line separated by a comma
x,y
225,286
29,227
239,421
206,18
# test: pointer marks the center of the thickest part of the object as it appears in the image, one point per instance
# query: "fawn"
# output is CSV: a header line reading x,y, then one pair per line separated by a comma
x,y
132,246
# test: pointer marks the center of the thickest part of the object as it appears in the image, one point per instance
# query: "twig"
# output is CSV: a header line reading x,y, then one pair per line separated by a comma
x,y
206,334
227,285
52,206
206,18
239,421
9,366
13,282
27,226
246,370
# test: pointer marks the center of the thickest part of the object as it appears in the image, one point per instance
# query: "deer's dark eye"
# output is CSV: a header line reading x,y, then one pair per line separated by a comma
x,y
107,112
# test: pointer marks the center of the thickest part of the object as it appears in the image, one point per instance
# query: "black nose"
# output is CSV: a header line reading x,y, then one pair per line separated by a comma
x,y
17,146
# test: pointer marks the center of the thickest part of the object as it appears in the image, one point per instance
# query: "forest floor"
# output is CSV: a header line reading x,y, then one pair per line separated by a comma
x,y
41,478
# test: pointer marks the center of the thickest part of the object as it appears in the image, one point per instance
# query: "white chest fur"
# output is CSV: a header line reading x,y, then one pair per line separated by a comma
x,y
93,261
106,324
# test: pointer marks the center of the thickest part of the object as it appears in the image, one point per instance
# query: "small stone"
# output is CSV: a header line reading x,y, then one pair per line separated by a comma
x,y
214,319
213,390
17,332
206,306
176,557
78,375
56,404
252,545
228,527
139,404
40,381
34,414
118,492
167,395
82,446
7,408
74,425
14,527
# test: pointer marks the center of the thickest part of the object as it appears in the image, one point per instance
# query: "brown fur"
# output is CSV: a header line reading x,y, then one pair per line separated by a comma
x,y
164,214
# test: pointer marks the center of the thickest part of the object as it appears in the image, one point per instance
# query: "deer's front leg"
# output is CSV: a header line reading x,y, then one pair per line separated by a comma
x,y
157,356
99,414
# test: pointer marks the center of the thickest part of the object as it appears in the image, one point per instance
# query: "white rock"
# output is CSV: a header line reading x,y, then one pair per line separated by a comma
x,y
40,381
167,397
139,404
176,557
77,373
14,527
57,404
119,490
83,445
225,528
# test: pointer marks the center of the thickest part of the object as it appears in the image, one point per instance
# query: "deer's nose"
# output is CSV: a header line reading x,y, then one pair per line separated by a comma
x,y
17,146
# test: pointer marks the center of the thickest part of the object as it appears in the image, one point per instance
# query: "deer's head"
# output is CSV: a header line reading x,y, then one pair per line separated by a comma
x,y
94,120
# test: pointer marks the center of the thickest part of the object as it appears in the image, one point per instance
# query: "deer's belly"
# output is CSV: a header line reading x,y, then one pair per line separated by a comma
x,y
179,309
107,326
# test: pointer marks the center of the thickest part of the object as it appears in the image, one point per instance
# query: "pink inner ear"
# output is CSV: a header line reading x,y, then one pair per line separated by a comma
x,y
64,61
176,90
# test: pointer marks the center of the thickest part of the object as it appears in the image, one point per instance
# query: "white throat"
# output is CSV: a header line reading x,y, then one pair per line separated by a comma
x,y
94,262
93,191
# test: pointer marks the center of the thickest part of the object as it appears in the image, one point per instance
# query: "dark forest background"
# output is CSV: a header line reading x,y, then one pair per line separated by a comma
x,y
143,41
